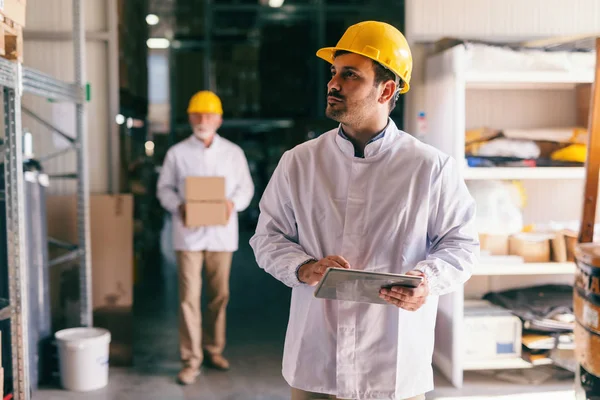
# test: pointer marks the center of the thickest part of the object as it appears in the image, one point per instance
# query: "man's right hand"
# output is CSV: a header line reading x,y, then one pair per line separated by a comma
x,y
312,272
182,211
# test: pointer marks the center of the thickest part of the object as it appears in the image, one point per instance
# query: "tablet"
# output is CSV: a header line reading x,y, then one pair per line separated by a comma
x,y
360,286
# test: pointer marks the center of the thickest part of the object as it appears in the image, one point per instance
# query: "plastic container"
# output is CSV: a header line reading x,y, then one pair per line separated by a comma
x,y
83,356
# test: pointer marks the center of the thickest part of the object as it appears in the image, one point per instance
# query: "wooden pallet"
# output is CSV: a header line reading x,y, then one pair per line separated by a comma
x,y
11,40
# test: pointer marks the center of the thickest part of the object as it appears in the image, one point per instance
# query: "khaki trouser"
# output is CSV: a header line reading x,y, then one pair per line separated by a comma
x,y
298,394
196,333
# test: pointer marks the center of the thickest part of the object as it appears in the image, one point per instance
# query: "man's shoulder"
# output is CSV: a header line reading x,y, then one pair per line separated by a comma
x,y
311,146
180,146
425,152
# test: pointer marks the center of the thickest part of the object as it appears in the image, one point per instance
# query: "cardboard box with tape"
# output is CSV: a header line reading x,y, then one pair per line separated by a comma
x,y
494,245
14,10
533,247
205,201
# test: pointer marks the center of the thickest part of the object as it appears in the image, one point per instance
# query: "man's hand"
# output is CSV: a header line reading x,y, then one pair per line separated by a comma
x,y
312,272
230,208
410,299
182,211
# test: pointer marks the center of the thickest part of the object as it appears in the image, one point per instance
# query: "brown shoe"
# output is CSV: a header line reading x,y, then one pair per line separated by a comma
x,y
216,361
188,375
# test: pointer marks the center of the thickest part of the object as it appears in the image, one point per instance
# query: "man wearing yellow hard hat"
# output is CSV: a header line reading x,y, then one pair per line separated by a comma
x,y
365,196
204,153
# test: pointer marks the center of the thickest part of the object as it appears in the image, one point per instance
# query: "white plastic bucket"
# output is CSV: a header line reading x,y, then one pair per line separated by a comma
x,y
83,357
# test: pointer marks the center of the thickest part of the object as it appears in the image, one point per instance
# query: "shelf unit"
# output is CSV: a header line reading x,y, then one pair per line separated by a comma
x,y
509,363
466,88
524,173
500,269
16,80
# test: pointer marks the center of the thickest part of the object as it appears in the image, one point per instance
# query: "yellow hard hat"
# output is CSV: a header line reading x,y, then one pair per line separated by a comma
x,y
205,102
380,42
574,153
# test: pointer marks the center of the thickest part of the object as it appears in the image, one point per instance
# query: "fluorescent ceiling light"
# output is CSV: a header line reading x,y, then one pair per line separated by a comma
x,y
158,43
276,3
152,19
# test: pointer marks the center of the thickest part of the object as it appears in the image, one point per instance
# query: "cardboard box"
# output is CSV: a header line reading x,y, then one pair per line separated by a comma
x,y
559,247
534,248
491,332
111,228
571,240
14,10
496,245
206,204
204,188
205,214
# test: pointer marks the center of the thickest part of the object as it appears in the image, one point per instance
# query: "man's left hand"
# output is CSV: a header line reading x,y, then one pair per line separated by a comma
x,y
230,208
410,299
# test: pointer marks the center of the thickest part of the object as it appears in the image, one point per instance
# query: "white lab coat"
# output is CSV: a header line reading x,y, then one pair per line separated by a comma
x,y
403,206
192,158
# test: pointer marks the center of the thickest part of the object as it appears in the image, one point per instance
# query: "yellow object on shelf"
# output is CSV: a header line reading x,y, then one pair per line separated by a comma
x,y
580,136
574,152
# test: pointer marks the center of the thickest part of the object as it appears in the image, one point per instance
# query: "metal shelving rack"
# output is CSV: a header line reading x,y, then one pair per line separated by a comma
x,y
16,80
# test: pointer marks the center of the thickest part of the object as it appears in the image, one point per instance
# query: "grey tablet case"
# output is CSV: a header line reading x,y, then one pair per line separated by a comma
x,y
360,286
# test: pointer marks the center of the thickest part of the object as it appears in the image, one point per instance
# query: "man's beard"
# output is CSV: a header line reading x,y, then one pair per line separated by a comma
x,y
202,133
336,114
340,112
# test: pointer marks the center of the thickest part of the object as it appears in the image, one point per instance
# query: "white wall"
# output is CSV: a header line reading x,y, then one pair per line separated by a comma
x,y
56,58
428,20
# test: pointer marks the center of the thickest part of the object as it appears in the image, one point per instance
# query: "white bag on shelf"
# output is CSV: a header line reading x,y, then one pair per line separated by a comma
x,y
498,207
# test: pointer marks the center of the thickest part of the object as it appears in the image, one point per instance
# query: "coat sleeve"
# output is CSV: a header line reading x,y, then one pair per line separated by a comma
x,y
166,190
452,237
244,187
275,242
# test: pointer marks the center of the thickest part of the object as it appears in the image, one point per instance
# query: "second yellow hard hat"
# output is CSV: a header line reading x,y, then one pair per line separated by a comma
x,y
205,102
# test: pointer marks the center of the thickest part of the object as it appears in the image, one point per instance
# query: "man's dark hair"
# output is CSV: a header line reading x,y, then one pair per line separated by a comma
x,y
382,74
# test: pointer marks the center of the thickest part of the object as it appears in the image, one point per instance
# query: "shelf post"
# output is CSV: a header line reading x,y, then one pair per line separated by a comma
x,y
15,224
83,192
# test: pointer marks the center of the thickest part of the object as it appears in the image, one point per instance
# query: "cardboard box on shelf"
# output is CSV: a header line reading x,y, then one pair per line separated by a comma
x,y
559,248
496,245
571,238
111,228
111,224
205,201
533,247
491,332
14,10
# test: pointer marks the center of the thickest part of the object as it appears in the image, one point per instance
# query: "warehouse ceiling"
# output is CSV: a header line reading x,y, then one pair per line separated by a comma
x,y
186,19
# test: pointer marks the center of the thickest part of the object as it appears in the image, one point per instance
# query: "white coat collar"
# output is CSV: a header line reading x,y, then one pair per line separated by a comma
x,y
197,142
391,132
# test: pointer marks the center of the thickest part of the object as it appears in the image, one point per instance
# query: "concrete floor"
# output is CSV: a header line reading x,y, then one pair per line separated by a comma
x,y
256,326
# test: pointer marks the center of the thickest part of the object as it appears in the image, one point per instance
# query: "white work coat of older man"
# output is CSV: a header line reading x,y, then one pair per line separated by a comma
x,y
192,158
403,206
